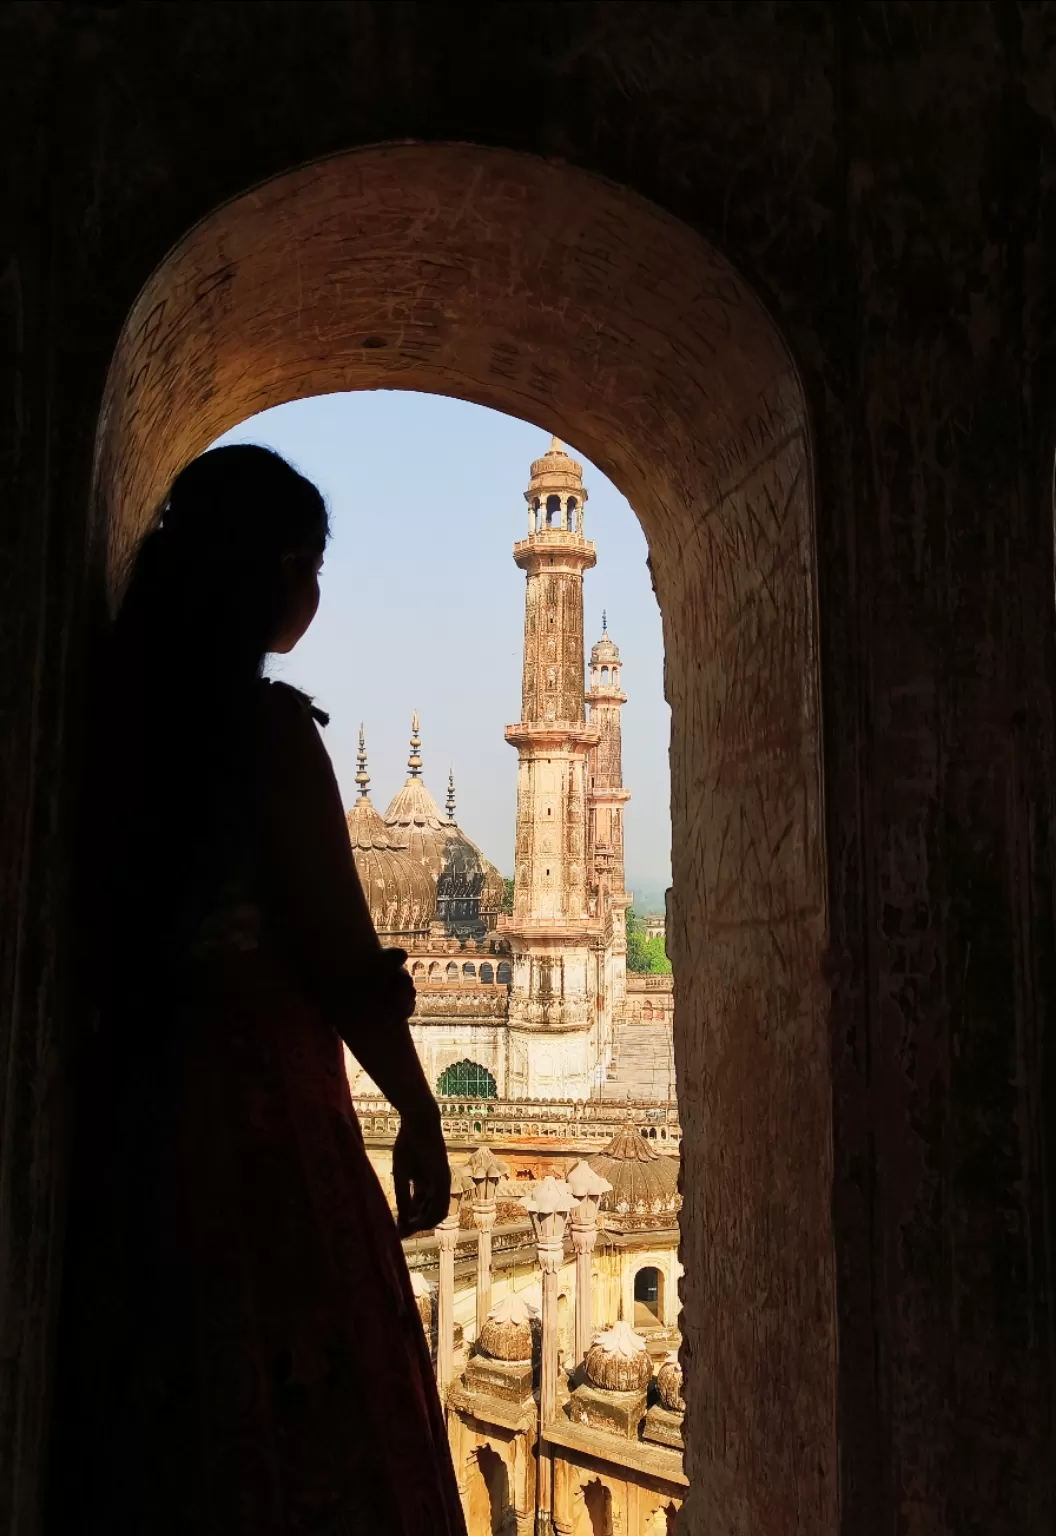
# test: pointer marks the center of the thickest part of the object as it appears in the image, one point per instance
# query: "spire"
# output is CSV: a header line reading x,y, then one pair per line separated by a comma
x,y
362,776
556,445
414,762
449,804
604,622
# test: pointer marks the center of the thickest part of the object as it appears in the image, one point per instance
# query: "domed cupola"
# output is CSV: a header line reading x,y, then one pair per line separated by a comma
x,y
604,652
492,887
644,1191
400,894
462,878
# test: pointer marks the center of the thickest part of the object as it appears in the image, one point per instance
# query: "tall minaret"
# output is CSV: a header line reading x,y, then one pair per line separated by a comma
x,y
606,798
553,931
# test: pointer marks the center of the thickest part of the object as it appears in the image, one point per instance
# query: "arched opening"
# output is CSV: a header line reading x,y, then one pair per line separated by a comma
x,y
503,974
489,1507
674,380
487,972
649,1296
466,1080
554,518
597,1511
434,970
469,970
452,971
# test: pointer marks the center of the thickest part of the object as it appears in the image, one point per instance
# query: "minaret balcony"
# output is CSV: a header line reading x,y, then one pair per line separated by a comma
x,y
552,735
569,550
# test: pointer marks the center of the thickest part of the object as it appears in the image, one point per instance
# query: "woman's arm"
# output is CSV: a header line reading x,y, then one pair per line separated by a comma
x,y
316,900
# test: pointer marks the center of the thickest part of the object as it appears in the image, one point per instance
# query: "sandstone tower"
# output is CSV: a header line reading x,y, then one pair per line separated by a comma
x,y
554,1028
606,798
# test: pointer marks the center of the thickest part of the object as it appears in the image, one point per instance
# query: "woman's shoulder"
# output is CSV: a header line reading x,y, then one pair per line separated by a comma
x,y
284,705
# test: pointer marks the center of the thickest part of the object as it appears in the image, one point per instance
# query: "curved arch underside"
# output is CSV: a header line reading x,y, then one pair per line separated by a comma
x,y
549,294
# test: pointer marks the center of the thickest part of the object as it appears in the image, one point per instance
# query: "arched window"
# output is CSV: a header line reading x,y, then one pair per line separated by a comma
x,y
434,971
604,677
417,969
466,1080
469,969
487,973
452,971
648,1297
553,511
504,975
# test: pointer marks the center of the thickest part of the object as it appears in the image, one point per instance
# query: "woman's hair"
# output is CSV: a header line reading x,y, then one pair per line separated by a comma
x,y
204,595
203,601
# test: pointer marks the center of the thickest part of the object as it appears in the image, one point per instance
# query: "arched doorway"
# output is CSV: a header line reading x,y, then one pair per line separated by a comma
x,y
648,1297
550,294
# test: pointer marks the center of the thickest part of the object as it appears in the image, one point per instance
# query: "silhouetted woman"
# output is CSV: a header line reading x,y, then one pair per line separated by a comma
x,y
241,1352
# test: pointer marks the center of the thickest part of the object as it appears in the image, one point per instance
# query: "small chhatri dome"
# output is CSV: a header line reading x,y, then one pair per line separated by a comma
x,y
669,1383
509,1330
603,652
423,1298
644,1183
618,1360
400,895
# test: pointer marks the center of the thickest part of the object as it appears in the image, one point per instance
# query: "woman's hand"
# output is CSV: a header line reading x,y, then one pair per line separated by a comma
x,y
421,1173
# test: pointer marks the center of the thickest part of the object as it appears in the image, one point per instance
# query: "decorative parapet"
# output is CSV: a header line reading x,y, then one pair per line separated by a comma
x,y
645,981
588,1123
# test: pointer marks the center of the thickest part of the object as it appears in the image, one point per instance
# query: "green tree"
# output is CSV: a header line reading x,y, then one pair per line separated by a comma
x,y
507,895
645,956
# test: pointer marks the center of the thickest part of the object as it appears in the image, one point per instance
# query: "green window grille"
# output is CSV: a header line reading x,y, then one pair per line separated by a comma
x,y
466,1080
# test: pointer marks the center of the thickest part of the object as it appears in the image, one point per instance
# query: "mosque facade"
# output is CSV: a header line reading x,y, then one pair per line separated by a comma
x,y
522,1004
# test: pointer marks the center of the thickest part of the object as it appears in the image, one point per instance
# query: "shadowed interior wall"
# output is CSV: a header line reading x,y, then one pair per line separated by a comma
x,y
884,177
611,324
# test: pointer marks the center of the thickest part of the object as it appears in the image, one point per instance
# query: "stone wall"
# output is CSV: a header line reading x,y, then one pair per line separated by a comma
x,y
865,980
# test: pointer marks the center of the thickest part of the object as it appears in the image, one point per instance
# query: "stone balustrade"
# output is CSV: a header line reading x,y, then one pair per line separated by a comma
x,y
591,1122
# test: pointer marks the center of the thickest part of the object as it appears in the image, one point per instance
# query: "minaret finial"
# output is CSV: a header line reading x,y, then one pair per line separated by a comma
x,y
414,762
450,802
556,445
604,622
362,776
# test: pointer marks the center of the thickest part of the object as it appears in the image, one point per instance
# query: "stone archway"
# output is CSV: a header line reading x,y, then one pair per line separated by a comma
x,y
550,294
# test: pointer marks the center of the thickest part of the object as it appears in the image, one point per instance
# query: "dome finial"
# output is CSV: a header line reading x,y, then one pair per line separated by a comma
x,y
449,804
414,762
362,776
556,445
604,622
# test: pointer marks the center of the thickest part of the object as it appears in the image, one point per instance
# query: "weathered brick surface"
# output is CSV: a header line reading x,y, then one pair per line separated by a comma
x,y
864,976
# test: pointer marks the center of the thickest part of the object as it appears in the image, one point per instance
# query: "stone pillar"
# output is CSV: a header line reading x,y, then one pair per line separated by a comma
x,y
548,1207
486,1172
447,1239
562,1510
587,1189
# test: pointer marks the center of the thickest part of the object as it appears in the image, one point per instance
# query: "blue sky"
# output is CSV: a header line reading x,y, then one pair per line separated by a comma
x,y
423,608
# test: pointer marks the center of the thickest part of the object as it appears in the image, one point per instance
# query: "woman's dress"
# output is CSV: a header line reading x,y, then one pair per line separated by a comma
x,y
242,1352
